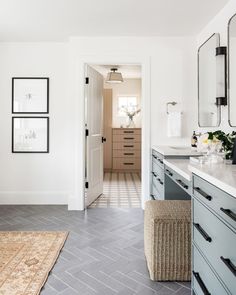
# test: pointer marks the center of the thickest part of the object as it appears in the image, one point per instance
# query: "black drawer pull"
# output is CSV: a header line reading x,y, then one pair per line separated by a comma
x,y
160,181
170,173
153,197
229,264
202,232
128,138
160,161
128,154
128,163
201,284
154,174
182,183
203,194
128,146
154,156
129,131
229,213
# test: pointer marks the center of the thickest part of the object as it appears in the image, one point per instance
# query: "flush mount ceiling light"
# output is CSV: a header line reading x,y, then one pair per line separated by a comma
x,y
114,77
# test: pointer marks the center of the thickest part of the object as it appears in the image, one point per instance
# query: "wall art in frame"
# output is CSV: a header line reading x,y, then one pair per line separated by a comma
x,y
30,95
30,134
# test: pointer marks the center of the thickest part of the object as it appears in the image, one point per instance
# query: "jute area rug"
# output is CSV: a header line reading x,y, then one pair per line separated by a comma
x,y
26,259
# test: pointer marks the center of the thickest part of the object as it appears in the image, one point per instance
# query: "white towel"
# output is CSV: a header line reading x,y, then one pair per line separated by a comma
x,y
174,124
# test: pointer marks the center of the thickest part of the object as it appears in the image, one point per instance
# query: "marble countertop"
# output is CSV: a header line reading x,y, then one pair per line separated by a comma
x,y
222,175
180,166
175,150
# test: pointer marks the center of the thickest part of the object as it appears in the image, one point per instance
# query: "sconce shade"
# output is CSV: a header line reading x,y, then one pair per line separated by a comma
x,y
221,83
114,77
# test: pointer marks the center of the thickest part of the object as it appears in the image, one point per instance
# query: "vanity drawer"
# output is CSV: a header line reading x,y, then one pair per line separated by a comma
x,y
158,170
216,199
126,164
155,194
204,280
157,158
180,180
217,242
126,138
126,154
126,146
127,131
158,183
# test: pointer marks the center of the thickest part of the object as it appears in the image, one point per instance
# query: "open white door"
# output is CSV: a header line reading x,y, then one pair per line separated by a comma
x,y
94,129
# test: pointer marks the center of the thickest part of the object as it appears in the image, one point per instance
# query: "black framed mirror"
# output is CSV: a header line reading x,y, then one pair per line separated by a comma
x,y
209,114
232,70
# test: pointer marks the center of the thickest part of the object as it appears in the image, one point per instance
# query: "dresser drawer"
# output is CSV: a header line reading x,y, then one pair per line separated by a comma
x,y
217,242
127,146
127,154
127,131
204,280
157,158
126,138
126,164
221,202
156,169
180,180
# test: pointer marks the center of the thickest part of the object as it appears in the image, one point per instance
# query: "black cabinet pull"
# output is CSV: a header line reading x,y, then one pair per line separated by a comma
x,y
128,146
229,213
128,163
170,173
159,180
154,156
128,138
128,154
229,264
201,283
160,161
153,197
202,232
203,194
154,174
182,183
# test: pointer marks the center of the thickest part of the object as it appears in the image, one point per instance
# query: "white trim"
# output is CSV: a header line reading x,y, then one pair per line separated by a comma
x,y
76,202
34,197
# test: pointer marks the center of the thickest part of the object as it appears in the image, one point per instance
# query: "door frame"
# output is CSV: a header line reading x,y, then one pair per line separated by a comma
x,y
76,201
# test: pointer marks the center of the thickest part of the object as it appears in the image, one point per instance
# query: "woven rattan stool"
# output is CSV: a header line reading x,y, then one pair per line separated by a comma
x,y
167,240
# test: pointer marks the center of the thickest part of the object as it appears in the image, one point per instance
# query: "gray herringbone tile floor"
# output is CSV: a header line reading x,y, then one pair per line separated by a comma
x,y
102,255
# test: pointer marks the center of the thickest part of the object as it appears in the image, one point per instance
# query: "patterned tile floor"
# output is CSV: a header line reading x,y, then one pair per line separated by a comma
x,y
103,254
121,190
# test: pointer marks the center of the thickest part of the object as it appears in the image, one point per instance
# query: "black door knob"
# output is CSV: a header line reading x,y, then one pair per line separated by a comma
x,y
104,139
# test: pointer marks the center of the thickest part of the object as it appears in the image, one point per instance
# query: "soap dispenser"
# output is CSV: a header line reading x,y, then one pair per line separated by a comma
x,y
194,140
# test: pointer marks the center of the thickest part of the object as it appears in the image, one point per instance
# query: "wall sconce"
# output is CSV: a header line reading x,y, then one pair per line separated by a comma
x,y
221,77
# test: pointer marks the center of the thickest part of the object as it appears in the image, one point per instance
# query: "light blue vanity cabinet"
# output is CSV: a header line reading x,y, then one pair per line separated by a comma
x,y
165,183
214,239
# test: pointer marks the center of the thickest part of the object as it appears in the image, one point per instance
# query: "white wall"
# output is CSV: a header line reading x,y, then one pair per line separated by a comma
x,y
219,25
130,87
36,178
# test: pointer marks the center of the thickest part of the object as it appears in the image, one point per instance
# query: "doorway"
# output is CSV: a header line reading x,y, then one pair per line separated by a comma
x,y
116,121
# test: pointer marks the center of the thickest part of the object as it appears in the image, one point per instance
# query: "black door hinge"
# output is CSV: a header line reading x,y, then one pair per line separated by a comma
x,y
86,184
86,80
86,132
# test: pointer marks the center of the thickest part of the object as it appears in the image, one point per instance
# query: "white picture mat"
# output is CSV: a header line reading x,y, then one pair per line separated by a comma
x,y
30,95
30,135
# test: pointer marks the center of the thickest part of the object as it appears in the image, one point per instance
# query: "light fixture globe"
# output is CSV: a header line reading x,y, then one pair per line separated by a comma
x,y
114,77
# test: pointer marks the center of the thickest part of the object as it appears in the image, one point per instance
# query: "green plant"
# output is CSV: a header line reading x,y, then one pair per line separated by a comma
x,y
226,139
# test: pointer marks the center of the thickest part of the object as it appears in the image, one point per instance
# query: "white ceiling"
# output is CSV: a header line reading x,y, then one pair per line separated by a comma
x,y
127,71
56,20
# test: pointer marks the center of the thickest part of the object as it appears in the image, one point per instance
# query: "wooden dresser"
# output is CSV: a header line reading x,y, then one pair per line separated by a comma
x,y
126,149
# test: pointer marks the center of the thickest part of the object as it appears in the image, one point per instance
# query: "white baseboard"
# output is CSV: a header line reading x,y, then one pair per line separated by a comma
x,y
34,198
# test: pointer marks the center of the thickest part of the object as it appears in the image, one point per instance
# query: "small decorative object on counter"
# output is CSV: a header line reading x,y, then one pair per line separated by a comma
x,y
130,112
194,140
